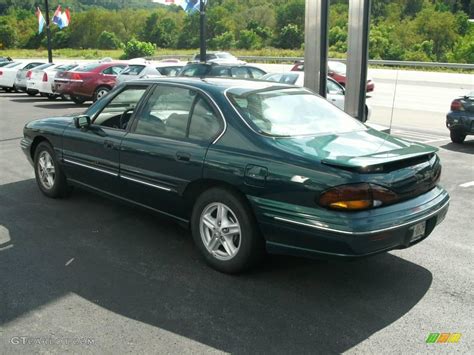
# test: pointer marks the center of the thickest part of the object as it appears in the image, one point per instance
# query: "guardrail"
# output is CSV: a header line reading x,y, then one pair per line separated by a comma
x,y
389,63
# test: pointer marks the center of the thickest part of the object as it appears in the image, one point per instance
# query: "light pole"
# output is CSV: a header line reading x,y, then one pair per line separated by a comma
x,y
202,31
48,32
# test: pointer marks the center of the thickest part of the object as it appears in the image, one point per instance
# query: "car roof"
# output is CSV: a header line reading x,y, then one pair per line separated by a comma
x,y
213,84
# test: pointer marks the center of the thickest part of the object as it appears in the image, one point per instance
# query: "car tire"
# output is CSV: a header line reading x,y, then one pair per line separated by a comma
x,y
49,176
51,97
457,137
31,93
9,90
223,250
78,100
100,92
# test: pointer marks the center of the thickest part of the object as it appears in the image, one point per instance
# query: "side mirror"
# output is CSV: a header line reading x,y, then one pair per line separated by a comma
x,y
82,122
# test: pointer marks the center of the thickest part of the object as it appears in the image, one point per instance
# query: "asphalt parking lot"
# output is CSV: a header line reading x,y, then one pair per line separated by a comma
x,y
97,276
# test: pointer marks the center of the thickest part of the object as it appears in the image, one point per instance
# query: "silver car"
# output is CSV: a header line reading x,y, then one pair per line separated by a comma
x,y
335,92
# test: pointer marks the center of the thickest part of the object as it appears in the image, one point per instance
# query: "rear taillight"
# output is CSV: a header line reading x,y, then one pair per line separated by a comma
x,y
1,73
76,77
357,197
28,74
456,105
45,77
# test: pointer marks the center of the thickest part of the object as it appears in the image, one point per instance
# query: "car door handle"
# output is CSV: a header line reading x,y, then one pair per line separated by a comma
x,y
183,156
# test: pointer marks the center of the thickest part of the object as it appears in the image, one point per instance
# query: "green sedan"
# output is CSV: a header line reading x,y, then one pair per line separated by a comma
x,y
249,167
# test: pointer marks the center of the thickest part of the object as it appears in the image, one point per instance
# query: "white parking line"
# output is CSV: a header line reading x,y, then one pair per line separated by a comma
x,y
467,184
418,136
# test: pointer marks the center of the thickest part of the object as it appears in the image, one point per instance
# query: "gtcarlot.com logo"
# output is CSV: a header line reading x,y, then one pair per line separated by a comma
x,y
28,340
443,338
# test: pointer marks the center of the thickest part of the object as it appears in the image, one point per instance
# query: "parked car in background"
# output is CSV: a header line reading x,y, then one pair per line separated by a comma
x,y
337,71
247,165
8,73
218,58
88,82
5,59
23,75
460,120
41,80
221,70
148,70
335,93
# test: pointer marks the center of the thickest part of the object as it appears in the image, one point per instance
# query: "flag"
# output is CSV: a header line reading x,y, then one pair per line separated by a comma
x,y
61,19
41,20
187,5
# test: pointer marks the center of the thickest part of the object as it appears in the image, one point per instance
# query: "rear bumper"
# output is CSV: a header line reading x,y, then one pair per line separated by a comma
x,y
74,88
461,121
301,231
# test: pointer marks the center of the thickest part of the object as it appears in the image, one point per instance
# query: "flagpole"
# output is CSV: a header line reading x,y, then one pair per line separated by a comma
x,y
48,32
202,30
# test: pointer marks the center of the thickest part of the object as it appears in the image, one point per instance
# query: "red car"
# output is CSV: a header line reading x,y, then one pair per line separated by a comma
x,y
337,71
88,82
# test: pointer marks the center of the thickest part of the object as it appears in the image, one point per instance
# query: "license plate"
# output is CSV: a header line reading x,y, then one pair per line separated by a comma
x,y
418,231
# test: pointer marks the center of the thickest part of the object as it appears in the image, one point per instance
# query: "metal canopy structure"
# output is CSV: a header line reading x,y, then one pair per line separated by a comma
x,y
316,52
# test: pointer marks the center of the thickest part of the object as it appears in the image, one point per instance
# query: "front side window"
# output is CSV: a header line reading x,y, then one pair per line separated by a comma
x,y
219,72
290,112
166,113
117,113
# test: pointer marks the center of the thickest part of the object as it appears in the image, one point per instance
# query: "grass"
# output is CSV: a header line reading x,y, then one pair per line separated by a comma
x,y
69,53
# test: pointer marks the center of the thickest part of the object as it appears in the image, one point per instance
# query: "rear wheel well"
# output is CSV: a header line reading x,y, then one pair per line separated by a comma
x,y
37,140
196,188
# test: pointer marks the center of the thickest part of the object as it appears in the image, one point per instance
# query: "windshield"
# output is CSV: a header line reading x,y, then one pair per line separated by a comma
x,y
133,70
291,112
225,55
14,64
338,67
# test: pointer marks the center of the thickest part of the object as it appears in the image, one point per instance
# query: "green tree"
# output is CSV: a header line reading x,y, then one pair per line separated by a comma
x,y
8,36
223,41
108,40
290,37
136,49
249,40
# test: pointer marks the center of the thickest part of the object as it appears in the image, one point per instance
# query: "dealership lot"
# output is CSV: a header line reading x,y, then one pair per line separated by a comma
x,y
116,278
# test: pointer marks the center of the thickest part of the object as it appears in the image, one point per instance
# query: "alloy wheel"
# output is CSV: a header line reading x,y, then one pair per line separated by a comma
x,y
46,170
220,231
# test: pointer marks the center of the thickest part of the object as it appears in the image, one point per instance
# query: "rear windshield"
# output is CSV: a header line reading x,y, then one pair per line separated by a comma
x,y
291,112
88,67
66,67
12,65
44,66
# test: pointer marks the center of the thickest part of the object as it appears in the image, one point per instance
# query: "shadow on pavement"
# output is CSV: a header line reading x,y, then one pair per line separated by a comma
x,y
146,268
466,147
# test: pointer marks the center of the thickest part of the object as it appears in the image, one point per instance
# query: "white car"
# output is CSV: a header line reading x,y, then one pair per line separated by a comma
x,y
148,71
41,80
219,58
335,92
8,73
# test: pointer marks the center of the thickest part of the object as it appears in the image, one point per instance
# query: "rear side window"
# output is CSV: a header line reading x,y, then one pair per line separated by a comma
x,y
256,73
240,72
169,71
195,70
220,72
204,123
